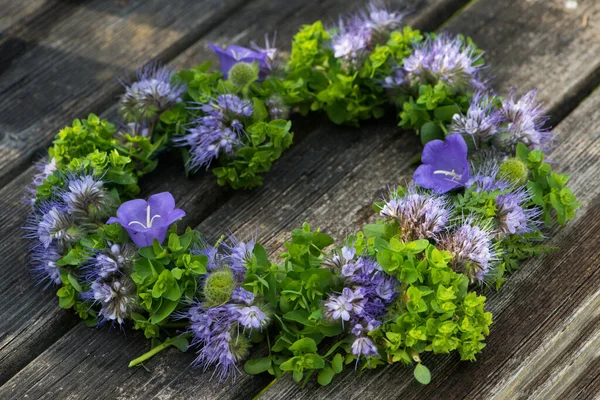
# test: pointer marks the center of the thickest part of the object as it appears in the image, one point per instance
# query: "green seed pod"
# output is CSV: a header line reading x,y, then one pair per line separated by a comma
x,y
218,287
242,74
514,170
239,346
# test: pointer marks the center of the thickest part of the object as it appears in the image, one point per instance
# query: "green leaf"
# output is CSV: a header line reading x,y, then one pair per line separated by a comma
x,y
422,374
337,112
417,246
304,345
430,131
257,365
522,151
260,111
261,256
165,309
300,316
74,283
325,376
174,243
445,113
337,363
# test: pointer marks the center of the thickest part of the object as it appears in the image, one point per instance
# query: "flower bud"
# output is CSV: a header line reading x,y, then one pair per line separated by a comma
x,y
242,74
218,287
514,170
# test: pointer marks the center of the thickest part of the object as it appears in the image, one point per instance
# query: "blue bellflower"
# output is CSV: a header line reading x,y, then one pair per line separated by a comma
x,y
145,221
233,54
445,166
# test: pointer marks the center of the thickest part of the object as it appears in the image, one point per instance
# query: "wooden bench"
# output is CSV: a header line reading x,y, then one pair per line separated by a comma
x,y
58,59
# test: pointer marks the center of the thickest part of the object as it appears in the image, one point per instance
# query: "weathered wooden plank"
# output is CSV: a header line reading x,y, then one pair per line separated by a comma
x,y
129,34
15,13
23,24
205,193
546,315
70,72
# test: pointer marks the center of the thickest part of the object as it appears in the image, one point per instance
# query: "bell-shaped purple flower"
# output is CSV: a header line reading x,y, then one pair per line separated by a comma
x,y
145,221
232,55
445,166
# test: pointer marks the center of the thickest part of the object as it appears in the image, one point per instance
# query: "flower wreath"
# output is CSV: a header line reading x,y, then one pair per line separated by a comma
x,y
409,284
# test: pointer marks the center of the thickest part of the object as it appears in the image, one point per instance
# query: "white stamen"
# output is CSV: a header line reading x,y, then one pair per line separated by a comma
x,y
148,219
452,174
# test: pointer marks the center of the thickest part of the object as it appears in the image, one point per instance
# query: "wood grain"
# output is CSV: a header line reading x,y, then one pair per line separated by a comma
x,y
45,79
19,345
330,179
70,71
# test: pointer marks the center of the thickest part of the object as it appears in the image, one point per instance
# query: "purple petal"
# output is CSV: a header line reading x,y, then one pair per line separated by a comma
x,y
177,214
162,204
133,210
432,151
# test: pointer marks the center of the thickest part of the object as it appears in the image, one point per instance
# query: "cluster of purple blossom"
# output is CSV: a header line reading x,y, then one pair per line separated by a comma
x,y
153,92
108,274
58,223
471,241
219,132
222,322
446,59
358,34
517,120
368,290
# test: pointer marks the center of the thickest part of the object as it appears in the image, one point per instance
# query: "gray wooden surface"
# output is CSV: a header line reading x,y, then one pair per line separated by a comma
x,y
57,61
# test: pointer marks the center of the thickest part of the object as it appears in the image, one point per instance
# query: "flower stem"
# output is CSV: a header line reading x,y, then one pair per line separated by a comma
x,y
154,351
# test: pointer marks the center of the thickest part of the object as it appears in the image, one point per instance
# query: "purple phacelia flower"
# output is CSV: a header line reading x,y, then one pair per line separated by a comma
x,y
50,223
340,307
420,215
238,253
44,267
86,198
446,59
114,260
240,295
512,214
486,179
219,131
145,221
526,119
481,122
273,64
117,298
445,166
252,317
233,54
379,17
397,79
154,91
350,40
356,35
138,129
364,346
472,250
